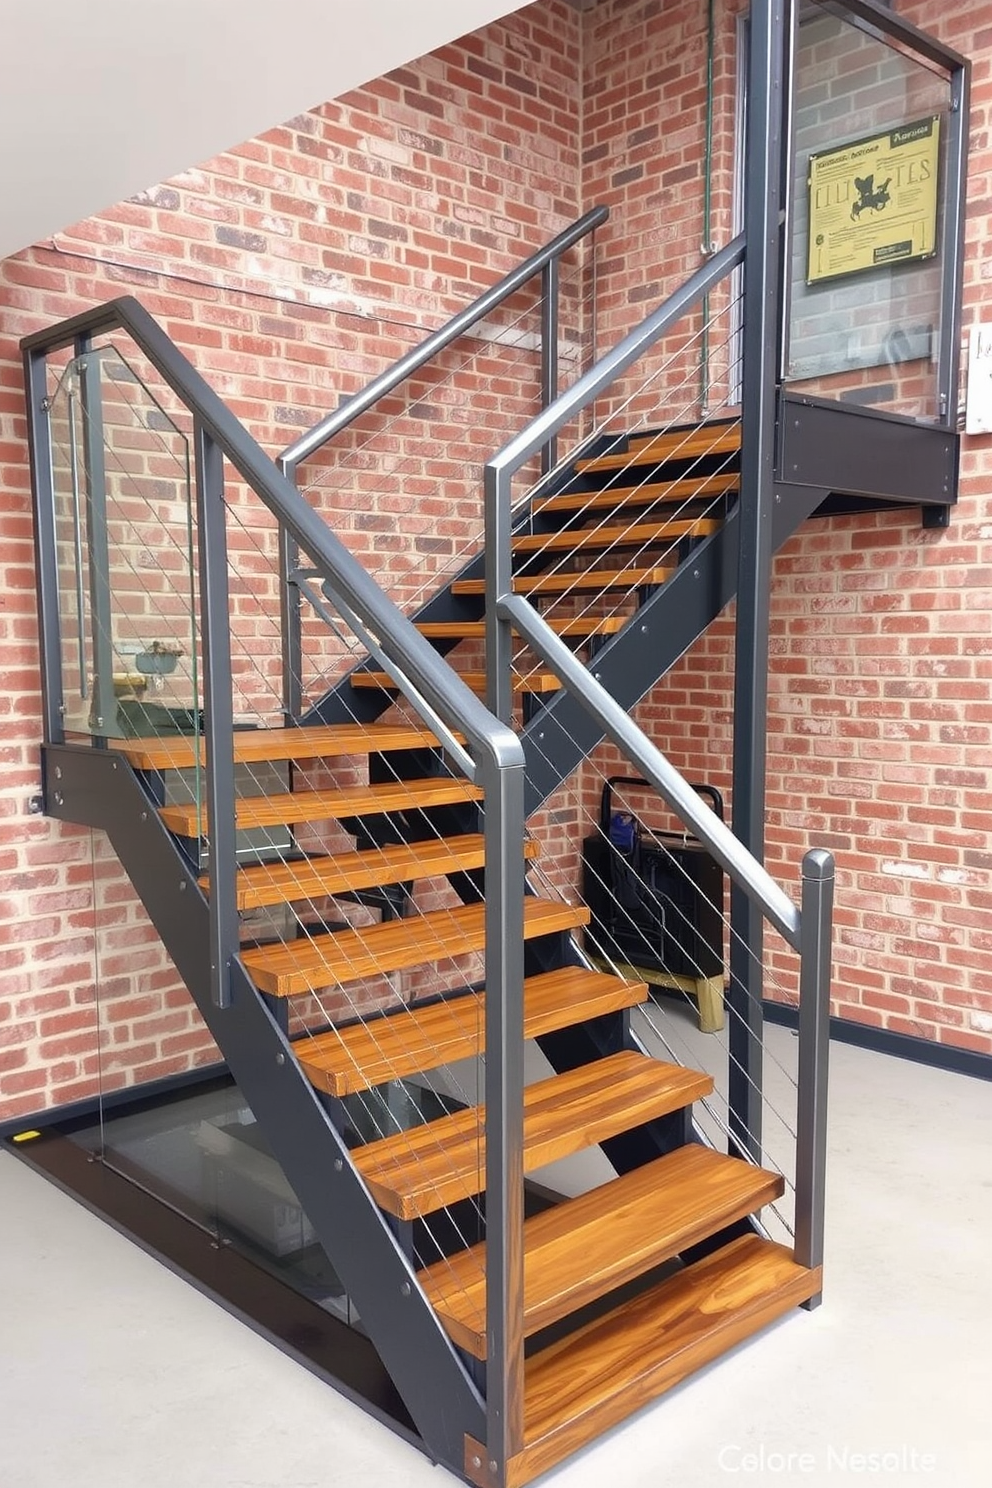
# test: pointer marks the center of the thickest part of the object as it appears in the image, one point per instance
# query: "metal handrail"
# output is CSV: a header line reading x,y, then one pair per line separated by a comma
x,y
427,680
397,636
616,361
806,929
652,763
334,422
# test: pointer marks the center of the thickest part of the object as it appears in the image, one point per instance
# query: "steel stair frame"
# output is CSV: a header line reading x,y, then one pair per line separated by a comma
x,y
98,789
562,733
260,1054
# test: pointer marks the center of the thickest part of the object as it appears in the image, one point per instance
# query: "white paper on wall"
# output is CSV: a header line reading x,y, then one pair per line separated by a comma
x,y
978,406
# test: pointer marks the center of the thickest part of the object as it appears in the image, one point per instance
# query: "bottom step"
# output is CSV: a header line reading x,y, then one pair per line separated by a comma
x,y
580,1387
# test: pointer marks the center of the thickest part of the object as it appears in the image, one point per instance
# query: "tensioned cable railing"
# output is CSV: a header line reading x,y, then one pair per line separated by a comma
x,y
545,262
481,747
806,930
665,399
407,487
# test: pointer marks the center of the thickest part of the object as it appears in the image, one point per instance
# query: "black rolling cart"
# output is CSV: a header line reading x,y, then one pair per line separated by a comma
x,y
656,900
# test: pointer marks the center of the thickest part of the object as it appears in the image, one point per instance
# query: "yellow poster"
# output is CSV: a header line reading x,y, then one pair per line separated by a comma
x,y
874,201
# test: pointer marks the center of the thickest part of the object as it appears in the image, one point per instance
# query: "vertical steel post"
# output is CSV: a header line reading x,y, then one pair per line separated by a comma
x,y
103,704
762,294
504,1093
45,546
218,710
549,354
814,1044
952,249
499,581
290,622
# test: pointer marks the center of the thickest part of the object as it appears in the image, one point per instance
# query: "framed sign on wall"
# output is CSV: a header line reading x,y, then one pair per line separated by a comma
x,y
873,201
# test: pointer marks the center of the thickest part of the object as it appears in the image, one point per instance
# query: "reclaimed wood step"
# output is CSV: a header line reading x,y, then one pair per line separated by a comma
x,y
253,746
673,444
475,630
726,431
587,1246
621,535
348,872
567,583
361,1055
647,493
299,966
286,808
578,1388
418,1171
522,681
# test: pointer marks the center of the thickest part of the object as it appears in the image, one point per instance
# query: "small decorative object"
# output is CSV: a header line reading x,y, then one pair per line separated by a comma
x,y
160,659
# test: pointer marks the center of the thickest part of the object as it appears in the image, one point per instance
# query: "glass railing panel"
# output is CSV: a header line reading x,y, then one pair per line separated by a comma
x,y
124,532
866,273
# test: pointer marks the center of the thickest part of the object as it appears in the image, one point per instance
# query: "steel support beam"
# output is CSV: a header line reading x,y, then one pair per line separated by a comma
x,y
630,663
99,789
769,22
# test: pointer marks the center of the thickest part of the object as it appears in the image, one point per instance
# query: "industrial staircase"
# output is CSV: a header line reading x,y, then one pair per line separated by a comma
x,y
516,1325
411,931
640,1228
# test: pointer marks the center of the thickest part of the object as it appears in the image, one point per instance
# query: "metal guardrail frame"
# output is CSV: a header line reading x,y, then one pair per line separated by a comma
x,y
495,761
808,931
546,262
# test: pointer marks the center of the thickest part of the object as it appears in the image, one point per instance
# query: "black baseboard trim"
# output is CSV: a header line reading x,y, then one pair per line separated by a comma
x,y
341,1356
151,1092
884,1041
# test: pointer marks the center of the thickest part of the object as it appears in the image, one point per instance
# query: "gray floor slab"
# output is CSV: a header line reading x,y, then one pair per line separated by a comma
x,y
114,1373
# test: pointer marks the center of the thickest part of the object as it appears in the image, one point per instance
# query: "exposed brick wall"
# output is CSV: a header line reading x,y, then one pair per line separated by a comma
x,y
291,269
297,266
879,715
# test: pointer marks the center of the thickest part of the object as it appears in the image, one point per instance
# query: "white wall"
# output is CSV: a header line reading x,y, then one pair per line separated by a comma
x,y
101,98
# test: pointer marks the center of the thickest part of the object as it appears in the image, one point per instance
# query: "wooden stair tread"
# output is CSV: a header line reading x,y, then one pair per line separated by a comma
x,y
253,746
578,1388
674,444
300,966
648,493
466,630
564,583
522,681
316,878
626,534
421,1038
418,1171
587,1246
288,807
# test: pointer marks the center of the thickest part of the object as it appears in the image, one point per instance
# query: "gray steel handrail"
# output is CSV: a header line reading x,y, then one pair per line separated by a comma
x,y
498,768
506,610
654,765
807,930
334,422
398,637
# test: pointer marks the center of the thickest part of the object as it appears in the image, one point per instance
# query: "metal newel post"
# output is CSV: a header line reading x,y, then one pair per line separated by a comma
x,y
219,710
762,297
46,545
549,354
103,703
814,1043
499,581
291,626
504,1092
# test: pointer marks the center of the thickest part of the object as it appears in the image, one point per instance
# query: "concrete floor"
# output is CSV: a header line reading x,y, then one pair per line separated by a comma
x,y
114,1373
